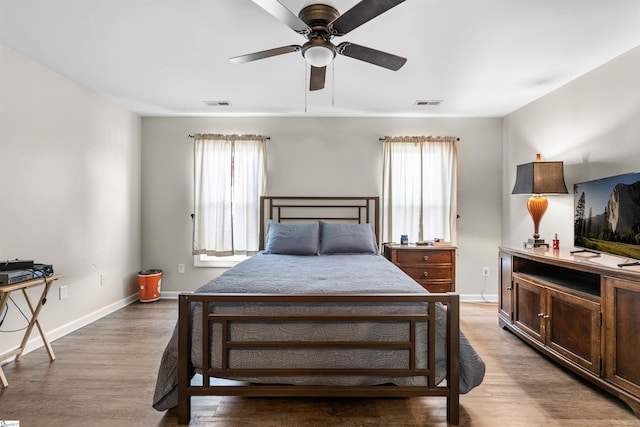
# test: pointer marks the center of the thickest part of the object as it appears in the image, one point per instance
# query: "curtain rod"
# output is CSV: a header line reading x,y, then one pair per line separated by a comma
x,y
418,138
235,136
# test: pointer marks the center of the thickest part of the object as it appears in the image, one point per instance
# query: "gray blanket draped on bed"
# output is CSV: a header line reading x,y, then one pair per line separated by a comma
x,y
330,274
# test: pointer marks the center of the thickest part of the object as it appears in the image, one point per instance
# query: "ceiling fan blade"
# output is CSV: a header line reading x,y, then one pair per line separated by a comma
x,y
372,56
282,14
362,12
265,54
316,81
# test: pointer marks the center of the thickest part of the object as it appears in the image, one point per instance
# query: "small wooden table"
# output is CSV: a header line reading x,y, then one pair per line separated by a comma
x,y
5,292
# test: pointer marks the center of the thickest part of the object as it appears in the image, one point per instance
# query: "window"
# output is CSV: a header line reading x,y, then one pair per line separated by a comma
x,y
419,189
229,178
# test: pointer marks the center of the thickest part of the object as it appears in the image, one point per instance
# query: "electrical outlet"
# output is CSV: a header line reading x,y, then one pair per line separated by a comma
x,y
485,271
180,268
103,279
63,292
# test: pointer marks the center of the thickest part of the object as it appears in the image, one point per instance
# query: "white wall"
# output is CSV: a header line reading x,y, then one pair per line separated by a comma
x,y
317,156
69,192
592,124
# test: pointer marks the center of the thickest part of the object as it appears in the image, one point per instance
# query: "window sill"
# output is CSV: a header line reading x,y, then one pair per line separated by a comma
x,y
217,262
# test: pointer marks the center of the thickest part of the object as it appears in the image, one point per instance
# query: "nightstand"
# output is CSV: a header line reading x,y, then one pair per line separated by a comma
x,y
434,267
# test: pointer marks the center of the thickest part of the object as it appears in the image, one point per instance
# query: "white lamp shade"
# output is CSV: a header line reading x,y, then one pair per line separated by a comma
x,y
318,56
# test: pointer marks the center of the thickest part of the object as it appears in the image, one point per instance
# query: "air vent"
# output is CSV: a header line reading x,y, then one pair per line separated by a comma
x,y
428,102
217,103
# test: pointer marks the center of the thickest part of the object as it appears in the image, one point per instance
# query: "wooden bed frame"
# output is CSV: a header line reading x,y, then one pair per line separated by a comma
x,y
289,209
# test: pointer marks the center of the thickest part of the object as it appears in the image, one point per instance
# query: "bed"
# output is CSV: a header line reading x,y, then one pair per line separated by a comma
x,y
317,313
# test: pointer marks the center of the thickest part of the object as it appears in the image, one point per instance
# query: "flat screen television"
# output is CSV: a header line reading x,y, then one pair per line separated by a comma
x,y
607,215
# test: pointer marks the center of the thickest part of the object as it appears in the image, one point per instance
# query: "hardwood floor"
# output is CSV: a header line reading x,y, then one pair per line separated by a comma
x,y
105,374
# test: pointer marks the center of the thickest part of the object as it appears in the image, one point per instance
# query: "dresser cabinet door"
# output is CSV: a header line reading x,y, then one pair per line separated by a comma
x,y
573,328
622,333
429,273
426,257
505,295
528,310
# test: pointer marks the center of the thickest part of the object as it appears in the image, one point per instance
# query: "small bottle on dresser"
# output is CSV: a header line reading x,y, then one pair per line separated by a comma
x,y
556,242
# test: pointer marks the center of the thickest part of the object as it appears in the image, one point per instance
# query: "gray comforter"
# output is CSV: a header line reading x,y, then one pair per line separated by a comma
x,y
288,274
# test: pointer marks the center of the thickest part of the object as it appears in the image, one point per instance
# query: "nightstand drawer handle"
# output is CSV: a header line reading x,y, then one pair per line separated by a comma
x,y
425,274
426,257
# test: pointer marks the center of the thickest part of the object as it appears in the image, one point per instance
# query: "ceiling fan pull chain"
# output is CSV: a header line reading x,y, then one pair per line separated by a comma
x,y
306,84
333,83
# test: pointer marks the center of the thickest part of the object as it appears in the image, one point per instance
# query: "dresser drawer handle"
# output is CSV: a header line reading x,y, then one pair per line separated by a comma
x,y
426,257
425,274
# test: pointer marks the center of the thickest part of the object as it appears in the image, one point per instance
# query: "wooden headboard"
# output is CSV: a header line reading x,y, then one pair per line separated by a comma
x,y
358,210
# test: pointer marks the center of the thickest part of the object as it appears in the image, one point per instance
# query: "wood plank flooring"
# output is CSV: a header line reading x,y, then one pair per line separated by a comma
x,y
105,375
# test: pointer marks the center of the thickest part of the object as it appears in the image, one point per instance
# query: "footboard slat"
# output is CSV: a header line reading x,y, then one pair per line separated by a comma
x,y
206,343
184,361
189,301
316,391
453,359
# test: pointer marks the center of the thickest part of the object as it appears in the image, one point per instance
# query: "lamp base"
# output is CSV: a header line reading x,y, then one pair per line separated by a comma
x,y
535,243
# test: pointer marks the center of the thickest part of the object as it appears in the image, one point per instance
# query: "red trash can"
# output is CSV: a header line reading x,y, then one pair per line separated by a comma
x,y
149,282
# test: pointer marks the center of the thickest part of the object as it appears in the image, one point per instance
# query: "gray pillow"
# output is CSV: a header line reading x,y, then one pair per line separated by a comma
x,y
292,239
347,239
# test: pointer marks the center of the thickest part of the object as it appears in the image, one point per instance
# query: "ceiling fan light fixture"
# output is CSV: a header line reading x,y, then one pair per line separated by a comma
x,y
318,54
319,23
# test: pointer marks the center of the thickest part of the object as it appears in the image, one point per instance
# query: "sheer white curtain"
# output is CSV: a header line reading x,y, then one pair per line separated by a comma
x,y
419,194
229,180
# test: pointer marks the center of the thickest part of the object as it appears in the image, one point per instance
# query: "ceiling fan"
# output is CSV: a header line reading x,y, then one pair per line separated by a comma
x,y
319,23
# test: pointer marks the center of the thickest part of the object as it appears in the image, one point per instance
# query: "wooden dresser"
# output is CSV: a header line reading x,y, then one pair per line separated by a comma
x,y
434,267
582,311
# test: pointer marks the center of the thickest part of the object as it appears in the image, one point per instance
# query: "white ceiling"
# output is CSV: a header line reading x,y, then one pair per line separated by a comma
x,y
483,58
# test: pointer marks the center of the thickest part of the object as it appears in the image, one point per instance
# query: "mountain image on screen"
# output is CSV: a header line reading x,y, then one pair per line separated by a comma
x,y
624,207
607,215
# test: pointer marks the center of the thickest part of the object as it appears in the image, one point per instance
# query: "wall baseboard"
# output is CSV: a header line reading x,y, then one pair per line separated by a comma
x,y
169,294
478,298
35,342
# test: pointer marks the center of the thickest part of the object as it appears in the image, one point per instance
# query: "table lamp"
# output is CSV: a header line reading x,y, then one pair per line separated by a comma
x,y
539,178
